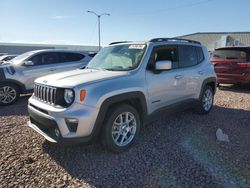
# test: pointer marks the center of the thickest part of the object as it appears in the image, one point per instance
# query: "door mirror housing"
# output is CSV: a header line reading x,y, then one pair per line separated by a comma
x,y
28,63
163,65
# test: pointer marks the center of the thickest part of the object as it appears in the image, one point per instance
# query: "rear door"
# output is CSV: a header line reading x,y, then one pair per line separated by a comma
x,y
192,68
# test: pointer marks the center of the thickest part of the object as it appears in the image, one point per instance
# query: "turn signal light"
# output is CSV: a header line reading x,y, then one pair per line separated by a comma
x,y
82,95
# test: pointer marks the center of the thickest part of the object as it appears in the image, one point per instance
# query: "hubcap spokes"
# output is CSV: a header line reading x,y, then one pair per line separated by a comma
x,y
207,100
7,94
124,128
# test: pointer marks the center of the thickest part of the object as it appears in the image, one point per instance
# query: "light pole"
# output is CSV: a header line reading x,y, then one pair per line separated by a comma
x,y
99,24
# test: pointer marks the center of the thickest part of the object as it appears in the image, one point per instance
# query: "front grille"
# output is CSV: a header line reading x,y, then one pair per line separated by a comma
x,y
45,93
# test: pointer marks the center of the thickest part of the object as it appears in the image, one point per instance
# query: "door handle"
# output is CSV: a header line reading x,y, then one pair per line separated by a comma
x,y
178,77
52,69
201,72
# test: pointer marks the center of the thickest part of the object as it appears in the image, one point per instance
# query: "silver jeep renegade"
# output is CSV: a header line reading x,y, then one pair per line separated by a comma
x,y
121,88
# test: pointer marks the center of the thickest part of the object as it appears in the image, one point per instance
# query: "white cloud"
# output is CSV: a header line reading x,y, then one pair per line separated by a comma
x,y
59,17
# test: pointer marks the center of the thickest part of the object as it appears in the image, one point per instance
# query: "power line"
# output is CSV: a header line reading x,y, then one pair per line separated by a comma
x,y
172,8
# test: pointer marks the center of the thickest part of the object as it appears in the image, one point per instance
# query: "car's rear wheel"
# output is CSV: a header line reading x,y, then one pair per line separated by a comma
x,y
9,94
206,100
121,128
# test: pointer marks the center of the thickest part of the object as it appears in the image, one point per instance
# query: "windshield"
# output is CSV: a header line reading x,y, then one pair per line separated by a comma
x,y
2,57
118,58
22,57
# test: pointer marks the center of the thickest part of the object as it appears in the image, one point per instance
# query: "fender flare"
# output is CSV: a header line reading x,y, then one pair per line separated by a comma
x,y
107,103
206,81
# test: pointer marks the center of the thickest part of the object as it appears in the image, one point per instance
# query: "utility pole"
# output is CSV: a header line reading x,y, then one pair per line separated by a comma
x,y
99,24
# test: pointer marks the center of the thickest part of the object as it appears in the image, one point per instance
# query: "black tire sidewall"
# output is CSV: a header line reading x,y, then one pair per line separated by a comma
x,y
17,93
200,107
107,133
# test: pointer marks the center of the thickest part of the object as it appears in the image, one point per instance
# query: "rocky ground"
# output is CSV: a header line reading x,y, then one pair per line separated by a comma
x,y
177,150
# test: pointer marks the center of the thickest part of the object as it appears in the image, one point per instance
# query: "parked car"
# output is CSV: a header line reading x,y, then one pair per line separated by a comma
x,y
1,54
6,58
17,76
232,65
121,88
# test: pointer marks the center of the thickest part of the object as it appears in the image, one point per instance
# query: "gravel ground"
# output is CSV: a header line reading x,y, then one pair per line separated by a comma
x,y
177,150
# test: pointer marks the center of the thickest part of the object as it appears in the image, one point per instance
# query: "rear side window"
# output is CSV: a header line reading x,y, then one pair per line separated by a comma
x,y
230,54
200,54
70,57
187,56
49,58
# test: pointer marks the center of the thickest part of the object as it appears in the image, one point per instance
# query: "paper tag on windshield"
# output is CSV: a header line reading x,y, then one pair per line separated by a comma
x,y
137,46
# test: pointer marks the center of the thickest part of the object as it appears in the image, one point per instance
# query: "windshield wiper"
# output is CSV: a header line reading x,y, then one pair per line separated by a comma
x,y
83,67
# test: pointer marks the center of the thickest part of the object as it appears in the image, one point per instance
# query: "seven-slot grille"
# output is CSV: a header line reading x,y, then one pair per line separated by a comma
x,y
45,94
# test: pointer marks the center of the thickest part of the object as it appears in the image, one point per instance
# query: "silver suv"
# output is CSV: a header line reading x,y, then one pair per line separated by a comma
x,y
17,76
121,88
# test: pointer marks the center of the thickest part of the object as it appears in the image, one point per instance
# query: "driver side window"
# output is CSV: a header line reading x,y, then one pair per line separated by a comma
x,y
36,59
161,53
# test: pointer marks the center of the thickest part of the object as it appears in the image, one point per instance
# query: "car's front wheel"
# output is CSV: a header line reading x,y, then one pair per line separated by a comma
x,y
121,128
9,94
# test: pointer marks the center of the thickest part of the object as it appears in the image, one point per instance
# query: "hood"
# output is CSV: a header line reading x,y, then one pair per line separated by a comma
x,y
77,77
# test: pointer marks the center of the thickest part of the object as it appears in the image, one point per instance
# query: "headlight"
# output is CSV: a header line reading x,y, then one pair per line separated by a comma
x,y
68,96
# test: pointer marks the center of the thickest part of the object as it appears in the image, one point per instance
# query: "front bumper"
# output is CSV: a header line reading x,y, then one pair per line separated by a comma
x,y
46,119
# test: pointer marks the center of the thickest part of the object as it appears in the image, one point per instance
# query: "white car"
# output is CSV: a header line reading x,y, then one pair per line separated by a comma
x,y
17,76
6,58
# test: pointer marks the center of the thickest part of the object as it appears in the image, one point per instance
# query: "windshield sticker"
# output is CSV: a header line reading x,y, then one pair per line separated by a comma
x,y
137,46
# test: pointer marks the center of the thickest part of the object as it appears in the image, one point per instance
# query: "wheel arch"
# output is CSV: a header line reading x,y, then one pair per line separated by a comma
x,y
16,83
211,82
136,99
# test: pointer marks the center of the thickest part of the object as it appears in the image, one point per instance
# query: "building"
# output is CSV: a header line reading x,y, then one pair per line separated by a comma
x,y
215,40
19,48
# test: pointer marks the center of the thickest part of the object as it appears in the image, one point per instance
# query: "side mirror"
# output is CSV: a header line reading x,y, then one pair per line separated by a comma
x,y
163,65
28,63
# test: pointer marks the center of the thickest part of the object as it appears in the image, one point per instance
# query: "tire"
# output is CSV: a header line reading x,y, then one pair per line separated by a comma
x,y
206,100
117,134
9,94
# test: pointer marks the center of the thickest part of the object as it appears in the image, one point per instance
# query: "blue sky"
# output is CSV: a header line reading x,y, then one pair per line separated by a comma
x,y
67,22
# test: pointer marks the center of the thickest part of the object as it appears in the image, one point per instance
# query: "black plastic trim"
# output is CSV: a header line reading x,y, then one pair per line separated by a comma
x,y
2,75
173,39
47,126
130,96
171,109
206,81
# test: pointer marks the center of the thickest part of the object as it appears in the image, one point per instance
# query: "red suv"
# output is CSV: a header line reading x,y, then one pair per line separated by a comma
x,y
232,65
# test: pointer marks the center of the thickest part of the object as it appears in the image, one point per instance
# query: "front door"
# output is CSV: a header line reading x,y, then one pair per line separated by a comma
x,y
165,87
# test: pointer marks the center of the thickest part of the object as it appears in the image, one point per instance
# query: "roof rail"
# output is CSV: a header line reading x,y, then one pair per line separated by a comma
x,y
173,39
118,42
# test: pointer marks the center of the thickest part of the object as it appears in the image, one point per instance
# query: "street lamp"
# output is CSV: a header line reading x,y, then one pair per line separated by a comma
x,y
99,24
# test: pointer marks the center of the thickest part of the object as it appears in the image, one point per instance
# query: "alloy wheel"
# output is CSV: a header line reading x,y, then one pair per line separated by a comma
x,y
207,100
124,129
7,94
